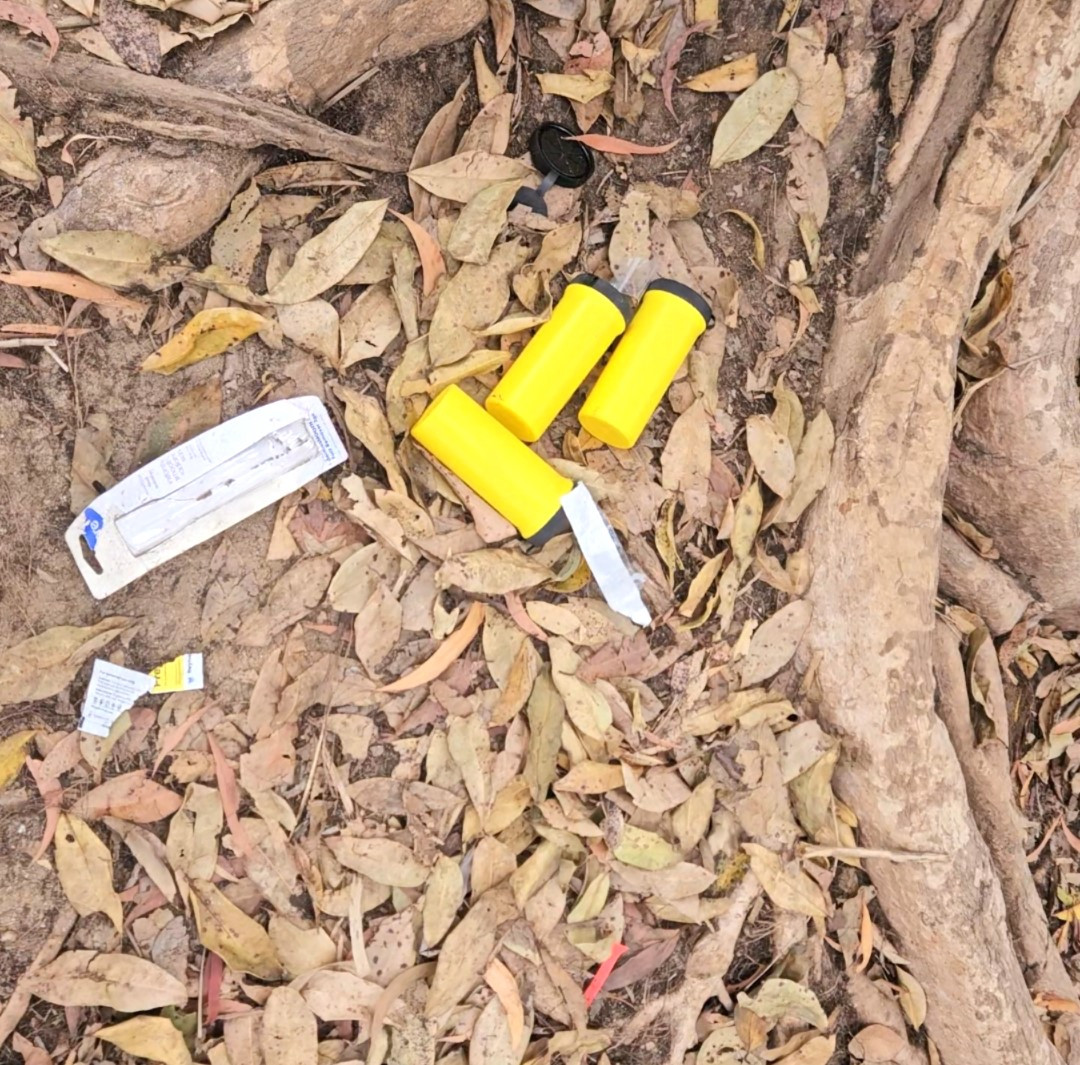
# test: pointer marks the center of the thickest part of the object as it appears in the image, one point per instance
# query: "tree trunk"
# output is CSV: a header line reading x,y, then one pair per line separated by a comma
x,y
1016,466
295,51
874,537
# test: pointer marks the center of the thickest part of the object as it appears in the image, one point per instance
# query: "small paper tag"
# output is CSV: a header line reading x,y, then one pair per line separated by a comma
x,y
184,673
603,554
111,691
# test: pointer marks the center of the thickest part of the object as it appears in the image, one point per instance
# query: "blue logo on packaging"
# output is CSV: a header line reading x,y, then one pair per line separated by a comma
x,y
94,524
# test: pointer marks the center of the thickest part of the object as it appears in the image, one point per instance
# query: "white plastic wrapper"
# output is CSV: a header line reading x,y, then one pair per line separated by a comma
x,y
603,554
201,488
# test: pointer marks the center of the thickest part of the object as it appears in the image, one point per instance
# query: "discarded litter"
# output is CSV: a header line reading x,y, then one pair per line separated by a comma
x,y
114,689
560,159
560,355
184,673
201,488
669,319
494,463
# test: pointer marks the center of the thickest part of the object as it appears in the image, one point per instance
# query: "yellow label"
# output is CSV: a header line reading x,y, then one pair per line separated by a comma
x,y
183,673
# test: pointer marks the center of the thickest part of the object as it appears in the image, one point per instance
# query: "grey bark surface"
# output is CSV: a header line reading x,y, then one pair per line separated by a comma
x,y
978,584
874,538
1015,468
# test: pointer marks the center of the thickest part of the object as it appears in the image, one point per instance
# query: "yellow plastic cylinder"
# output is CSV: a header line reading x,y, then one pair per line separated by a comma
x,y
561,354
494,463
669,319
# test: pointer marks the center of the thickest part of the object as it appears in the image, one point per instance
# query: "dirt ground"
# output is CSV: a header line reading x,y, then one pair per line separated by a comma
x,y
41,410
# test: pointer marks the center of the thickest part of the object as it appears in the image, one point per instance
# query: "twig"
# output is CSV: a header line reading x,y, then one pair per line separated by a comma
x,y
811,851
29,342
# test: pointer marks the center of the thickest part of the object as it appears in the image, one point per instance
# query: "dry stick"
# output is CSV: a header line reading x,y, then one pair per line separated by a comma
x,y
873,538
19,1002
92,90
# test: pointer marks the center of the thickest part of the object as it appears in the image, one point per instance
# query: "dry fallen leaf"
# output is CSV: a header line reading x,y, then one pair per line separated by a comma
x,y
70,285
812,464
115,258
820,104
208,333
774,644
734,76
369,326
581,88
289,1032
493,571
463,958
238,236
772,453
154,1038
131,797
224,928
449,651
601,142
383,861
13,755
187,415
787,886
17,155
755,116
759,240
432,264
462,176
878,1043
329,256
472,300
120,981
481,221
84,866
312,326
42,666
443,896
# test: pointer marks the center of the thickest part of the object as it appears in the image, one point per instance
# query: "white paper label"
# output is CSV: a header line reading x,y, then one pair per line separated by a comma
x,y
603,555
111,691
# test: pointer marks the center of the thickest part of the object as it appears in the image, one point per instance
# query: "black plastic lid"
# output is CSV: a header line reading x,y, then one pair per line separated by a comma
x,y
556,525
552,152
606,288
685,292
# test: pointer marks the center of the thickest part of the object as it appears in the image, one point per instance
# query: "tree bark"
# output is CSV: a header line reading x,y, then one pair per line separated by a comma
x,y
874,537
78,86
295,51
976,583
1016,465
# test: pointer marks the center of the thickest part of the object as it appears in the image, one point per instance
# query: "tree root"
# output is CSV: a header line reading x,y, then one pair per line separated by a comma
x,y
976,583
1015,468
705,969
295,51
74,84
874,539
990,793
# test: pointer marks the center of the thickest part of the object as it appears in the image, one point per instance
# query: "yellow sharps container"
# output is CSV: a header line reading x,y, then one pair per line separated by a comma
x,y
494,463
669,319
561,354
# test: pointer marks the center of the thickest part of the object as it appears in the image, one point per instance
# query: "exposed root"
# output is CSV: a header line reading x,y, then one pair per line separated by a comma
x,y
1015,469
874,540
976,583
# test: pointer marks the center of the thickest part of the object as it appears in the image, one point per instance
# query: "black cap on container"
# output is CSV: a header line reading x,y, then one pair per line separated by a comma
x,y
553,152
606,288
556,525
685,292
